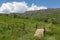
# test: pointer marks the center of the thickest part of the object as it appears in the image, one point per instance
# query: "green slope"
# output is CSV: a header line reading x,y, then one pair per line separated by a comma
x,y
11,25
14,30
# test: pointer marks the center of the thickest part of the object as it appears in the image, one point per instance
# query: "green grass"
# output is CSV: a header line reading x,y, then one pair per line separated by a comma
x,y
14,30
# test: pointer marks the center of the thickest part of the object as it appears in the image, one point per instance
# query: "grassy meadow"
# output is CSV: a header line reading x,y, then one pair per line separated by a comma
x,y
12,29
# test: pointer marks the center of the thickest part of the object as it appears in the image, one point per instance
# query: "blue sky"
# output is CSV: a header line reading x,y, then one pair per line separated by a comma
x,y
47,3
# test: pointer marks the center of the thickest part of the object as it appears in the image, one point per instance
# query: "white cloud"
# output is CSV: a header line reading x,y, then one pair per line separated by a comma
x,y
19,7
34,7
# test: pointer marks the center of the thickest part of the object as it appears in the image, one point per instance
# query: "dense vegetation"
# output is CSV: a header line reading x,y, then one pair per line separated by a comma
x,y
12,25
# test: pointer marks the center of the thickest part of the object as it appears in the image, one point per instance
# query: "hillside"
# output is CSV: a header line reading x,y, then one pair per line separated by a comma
x,y
48,15
22,26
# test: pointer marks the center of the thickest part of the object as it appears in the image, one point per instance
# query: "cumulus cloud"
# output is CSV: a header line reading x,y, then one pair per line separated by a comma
x,y
14,7
19,7
34,7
